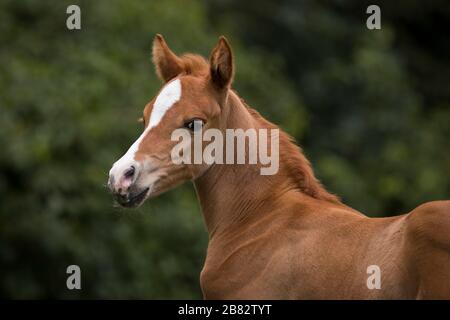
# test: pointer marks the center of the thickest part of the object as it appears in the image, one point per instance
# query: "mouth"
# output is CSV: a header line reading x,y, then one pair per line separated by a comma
x,y
133,200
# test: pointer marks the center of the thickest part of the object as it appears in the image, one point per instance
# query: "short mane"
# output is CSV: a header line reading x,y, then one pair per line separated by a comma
x,y
298,166
195,65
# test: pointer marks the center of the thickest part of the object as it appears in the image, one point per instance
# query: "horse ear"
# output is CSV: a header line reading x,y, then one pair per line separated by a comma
x,y
221,64
168,65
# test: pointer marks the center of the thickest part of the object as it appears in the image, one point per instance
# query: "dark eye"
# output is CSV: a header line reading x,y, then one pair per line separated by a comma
x,y
194,124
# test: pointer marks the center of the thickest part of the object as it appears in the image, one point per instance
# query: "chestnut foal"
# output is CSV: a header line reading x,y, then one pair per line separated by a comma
x,y
280,236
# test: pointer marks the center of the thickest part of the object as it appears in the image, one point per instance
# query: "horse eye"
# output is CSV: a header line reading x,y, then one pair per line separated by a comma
x,y
194,124
142,120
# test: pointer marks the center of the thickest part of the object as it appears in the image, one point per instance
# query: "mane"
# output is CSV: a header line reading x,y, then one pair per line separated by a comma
x,y
298,166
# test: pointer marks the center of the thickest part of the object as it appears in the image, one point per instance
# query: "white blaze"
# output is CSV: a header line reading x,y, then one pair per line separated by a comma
x,y
165,100
168,96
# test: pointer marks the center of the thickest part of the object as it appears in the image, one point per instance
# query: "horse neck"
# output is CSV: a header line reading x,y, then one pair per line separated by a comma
x,y
236,194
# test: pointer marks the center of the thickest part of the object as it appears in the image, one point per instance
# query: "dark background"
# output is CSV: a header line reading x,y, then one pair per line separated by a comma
x,y
371,109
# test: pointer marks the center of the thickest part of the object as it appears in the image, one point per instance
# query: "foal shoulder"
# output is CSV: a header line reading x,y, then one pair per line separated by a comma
x,y
430,222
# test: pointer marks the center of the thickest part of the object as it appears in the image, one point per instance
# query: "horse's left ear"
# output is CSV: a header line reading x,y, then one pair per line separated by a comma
x,y
221,64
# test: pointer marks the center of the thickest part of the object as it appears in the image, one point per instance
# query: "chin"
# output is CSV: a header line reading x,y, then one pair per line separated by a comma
x,y
135,199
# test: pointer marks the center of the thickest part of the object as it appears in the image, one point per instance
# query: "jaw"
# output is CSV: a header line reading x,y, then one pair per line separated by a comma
x,y
139,198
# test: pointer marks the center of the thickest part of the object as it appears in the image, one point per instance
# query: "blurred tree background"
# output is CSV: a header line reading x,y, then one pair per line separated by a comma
x,y
370,108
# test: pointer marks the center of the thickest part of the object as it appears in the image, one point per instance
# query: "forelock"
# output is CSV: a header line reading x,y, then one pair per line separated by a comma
x,y
194,65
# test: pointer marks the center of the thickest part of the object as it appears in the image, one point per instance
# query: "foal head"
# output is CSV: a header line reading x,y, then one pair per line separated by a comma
x,y
192,97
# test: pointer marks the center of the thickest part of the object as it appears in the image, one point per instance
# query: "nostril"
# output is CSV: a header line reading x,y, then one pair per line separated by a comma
x,y
129,173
